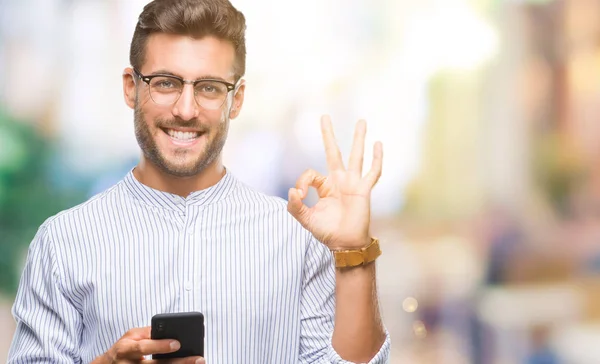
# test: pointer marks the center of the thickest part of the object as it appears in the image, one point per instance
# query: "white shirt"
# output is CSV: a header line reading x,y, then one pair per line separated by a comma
x,y
265,285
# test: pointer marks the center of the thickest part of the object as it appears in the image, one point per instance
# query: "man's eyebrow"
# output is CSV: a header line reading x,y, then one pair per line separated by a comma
x,y
164,72
205,77
212,77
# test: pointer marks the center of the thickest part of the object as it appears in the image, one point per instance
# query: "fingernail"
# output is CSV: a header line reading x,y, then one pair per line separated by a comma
x,y
200,361
300,192
175,345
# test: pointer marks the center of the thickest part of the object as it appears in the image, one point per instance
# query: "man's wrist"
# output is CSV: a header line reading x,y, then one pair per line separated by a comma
x,y
100,360
103,359
358,243
350,258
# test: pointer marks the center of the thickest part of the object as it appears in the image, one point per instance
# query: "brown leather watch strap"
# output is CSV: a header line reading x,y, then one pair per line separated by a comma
x,y
356,257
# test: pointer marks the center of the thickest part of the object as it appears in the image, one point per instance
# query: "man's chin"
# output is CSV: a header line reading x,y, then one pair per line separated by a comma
x,y
182,171
180,165
184,164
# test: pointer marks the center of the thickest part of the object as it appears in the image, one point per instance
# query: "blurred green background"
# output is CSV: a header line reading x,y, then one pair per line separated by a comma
x,y
27,194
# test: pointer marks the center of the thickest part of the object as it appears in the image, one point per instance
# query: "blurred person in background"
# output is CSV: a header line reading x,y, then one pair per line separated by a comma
x,y
541,351
180,233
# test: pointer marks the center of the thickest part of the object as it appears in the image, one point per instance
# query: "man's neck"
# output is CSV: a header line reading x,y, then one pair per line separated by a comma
x,y
148,174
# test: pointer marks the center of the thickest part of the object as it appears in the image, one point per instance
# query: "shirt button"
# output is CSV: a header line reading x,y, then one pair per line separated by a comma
x,y
191,231
188,286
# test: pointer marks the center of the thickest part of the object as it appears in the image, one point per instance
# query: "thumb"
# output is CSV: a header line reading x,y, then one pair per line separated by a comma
x,y
296,207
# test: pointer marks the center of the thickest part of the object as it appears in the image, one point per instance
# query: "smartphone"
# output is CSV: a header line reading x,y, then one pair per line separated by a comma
x,y
185,327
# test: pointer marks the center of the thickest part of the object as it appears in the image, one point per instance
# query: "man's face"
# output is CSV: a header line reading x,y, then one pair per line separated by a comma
x,y
182,139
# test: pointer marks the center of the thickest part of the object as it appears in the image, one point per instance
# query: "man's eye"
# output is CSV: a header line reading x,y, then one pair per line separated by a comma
x,y
212,88
208,89
164,84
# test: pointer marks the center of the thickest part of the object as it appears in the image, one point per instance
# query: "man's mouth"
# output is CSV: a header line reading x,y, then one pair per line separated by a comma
x,y
182,136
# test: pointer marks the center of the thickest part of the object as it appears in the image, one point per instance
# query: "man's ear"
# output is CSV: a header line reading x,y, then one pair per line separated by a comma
x,y
238,100
129,87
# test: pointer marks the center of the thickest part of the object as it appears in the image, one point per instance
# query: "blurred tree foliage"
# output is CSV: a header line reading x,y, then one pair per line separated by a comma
x,y
27,197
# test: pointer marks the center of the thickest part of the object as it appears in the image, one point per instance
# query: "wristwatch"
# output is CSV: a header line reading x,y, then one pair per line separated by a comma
x,y
356,257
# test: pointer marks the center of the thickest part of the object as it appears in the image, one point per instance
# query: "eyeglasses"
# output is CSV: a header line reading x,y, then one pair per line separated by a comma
x,y
166,89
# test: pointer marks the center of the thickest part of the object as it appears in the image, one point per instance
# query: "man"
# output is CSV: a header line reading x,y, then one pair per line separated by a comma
x,y
180,233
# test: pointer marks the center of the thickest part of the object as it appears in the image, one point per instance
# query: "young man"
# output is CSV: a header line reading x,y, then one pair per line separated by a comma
x,y
180,233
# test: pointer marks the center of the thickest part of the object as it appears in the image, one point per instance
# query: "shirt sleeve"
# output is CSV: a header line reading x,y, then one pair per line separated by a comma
x,y
317,309
48,325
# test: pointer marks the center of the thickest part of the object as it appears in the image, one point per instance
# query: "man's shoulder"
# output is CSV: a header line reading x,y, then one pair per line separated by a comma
x,y
87,211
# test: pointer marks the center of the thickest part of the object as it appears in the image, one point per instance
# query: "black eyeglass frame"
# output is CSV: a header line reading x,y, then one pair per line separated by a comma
x,y
148,78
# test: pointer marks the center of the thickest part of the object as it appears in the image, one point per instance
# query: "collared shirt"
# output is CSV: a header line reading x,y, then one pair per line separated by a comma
x,y
265,285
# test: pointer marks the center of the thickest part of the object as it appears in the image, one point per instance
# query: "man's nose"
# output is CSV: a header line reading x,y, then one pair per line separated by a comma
x,y
186,106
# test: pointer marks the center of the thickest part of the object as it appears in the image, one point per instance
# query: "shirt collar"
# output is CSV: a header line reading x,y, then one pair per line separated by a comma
x,y
171,201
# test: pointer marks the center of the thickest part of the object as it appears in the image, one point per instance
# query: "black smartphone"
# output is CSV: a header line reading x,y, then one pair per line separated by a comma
x,y
185,327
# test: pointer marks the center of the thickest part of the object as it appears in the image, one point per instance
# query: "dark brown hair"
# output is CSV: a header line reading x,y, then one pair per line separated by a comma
x,y
195,18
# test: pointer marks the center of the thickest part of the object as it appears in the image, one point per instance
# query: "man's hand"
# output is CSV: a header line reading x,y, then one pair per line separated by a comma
x,y
342,215
136,343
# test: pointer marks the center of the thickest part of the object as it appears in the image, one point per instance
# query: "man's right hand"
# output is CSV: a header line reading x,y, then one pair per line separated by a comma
x,y
136,343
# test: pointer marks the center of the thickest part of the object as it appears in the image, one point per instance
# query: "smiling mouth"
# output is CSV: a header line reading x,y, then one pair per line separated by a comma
x,y
182,136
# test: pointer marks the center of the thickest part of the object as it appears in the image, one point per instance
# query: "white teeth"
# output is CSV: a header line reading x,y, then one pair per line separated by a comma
x,y
182,135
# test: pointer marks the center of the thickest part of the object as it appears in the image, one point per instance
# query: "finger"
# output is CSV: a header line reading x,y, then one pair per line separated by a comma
x,y
357,153
187,360
309,178
138,333
373,176
332,152
296,207
136,349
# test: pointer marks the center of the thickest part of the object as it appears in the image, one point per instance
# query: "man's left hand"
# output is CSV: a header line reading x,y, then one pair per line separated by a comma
x,y
341,217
